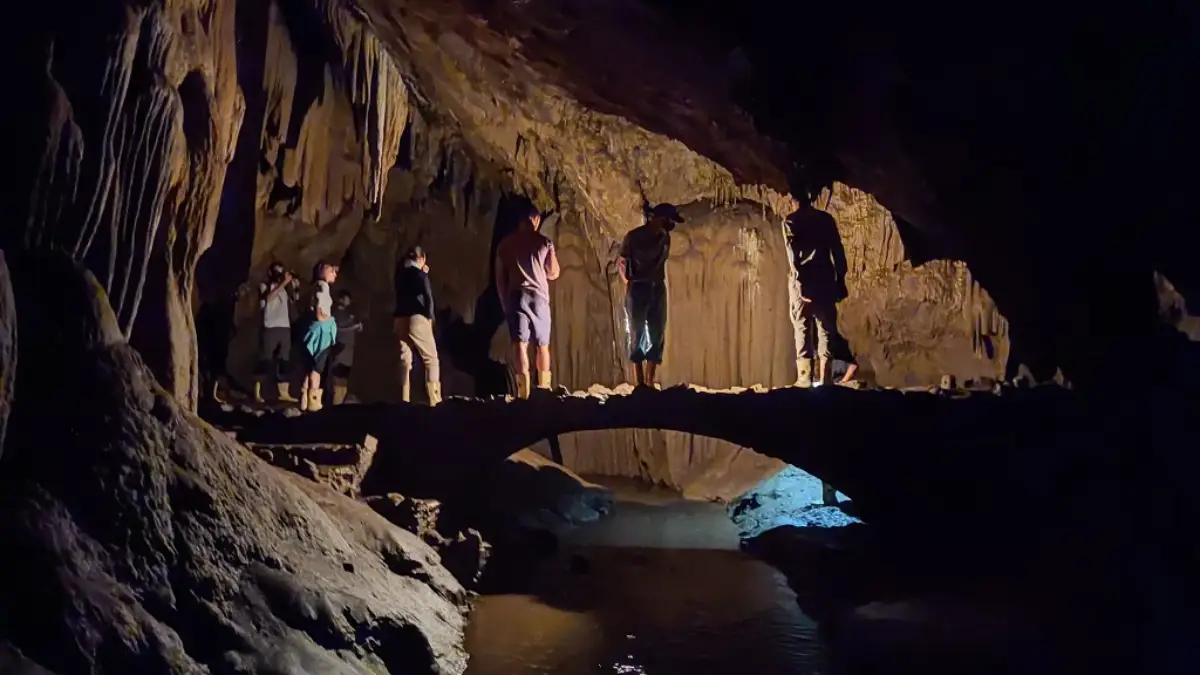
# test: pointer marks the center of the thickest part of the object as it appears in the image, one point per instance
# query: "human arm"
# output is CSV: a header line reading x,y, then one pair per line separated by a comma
x,y
427,293
501,281
623,260
838,252
268,292
552,268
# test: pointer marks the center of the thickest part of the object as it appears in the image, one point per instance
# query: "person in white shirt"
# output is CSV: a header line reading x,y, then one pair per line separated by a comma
x,y
275,298
320,336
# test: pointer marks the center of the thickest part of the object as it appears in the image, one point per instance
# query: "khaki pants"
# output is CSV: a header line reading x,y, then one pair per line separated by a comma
x,y
415,333
823,316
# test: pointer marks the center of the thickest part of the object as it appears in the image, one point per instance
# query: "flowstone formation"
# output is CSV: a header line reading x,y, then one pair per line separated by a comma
x,y
140,539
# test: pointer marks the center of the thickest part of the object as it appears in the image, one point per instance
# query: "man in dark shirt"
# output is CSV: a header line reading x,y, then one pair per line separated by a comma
x,y
817,284
642,264
348,326
413,324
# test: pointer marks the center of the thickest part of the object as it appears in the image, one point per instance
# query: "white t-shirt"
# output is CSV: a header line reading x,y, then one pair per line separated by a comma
x,y
324,298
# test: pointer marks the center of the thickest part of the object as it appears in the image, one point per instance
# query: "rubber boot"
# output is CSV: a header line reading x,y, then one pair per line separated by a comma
x,y
804,372
824,371
543,379
285,395
258,392
315,397
434,391
522,385
305,399
339,393
406,389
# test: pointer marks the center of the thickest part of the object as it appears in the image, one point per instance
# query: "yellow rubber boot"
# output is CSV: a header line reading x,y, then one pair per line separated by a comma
x,y
804,372
285,395
305,399
258,392
434,391
522,385
339,392
543,379
314,399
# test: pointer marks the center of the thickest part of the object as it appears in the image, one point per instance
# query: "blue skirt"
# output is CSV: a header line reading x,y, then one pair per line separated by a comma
x,y
321,335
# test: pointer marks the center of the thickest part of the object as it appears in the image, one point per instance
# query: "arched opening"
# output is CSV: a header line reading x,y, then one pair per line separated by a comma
x,y
637,573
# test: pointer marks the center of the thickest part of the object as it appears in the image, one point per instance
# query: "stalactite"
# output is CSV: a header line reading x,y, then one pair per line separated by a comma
x,y
374,86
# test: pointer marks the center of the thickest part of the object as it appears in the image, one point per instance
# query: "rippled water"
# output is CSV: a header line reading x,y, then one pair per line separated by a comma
x,y
660,588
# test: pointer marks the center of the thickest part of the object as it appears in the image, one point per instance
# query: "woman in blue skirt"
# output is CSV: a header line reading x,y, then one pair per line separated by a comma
x,y
320,336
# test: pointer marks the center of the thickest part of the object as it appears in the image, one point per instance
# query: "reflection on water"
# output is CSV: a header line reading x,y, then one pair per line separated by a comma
x,y
659,588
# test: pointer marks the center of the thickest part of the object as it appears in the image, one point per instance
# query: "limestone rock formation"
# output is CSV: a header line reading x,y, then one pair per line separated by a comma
x,y
463,553
339,467
139,539
907,324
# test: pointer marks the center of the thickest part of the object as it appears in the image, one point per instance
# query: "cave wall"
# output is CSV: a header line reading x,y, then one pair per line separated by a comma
x,y
909,325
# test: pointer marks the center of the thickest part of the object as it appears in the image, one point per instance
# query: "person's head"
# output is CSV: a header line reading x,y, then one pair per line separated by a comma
x,y
665,216
529,217
344,299
326,272
416,255
275,271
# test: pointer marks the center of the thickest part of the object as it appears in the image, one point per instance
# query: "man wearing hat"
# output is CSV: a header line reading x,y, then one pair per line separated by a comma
x,y
642,264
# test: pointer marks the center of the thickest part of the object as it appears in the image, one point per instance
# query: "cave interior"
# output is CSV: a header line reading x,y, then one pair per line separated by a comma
x,y
1016,305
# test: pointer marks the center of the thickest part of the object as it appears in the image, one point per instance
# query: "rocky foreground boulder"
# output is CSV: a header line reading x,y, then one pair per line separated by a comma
x,y
138,539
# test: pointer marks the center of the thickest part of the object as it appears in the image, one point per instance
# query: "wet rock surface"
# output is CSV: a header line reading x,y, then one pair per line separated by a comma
x,y
463,553
338,467
140,539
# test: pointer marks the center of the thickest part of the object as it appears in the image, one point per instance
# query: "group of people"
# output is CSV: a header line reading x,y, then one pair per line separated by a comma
x,y
525,264
326,341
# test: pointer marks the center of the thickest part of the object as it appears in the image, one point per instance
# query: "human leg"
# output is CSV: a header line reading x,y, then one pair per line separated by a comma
x,y
400,326
635,330
537,309
340,382
824,320
519,331
422,340
799,317
656,328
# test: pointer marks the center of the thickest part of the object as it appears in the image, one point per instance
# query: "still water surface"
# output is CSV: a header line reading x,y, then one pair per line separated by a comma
x,y
659,588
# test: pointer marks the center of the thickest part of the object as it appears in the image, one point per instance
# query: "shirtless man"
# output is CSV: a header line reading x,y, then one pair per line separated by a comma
x,y
525,265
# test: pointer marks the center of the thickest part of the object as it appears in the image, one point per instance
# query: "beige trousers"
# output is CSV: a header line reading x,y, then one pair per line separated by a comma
x,y
415,333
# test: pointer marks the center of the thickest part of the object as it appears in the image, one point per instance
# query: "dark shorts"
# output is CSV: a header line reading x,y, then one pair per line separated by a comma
x,y
274,345
317,363
528,319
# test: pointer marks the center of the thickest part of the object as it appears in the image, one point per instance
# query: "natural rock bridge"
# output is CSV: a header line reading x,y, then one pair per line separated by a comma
x,y
880,447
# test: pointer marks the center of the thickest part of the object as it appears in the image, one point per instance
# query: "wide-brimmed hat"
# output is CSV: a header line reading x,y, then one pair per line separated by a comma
x,y
665,211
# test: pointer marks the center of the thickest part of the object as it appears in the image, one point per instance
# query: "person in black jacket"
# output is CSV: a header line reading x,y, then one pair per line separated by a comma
x,y
413,324
817,284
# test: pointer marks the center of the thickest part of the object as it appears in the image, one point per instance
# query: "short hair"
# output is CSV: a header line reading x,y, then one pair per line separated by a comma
x,y
528,211
415,253
344,293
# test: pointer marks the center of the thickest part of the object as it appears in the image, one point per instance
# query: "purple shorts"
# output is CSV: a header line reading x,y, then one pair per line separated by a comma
x,y
528,319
